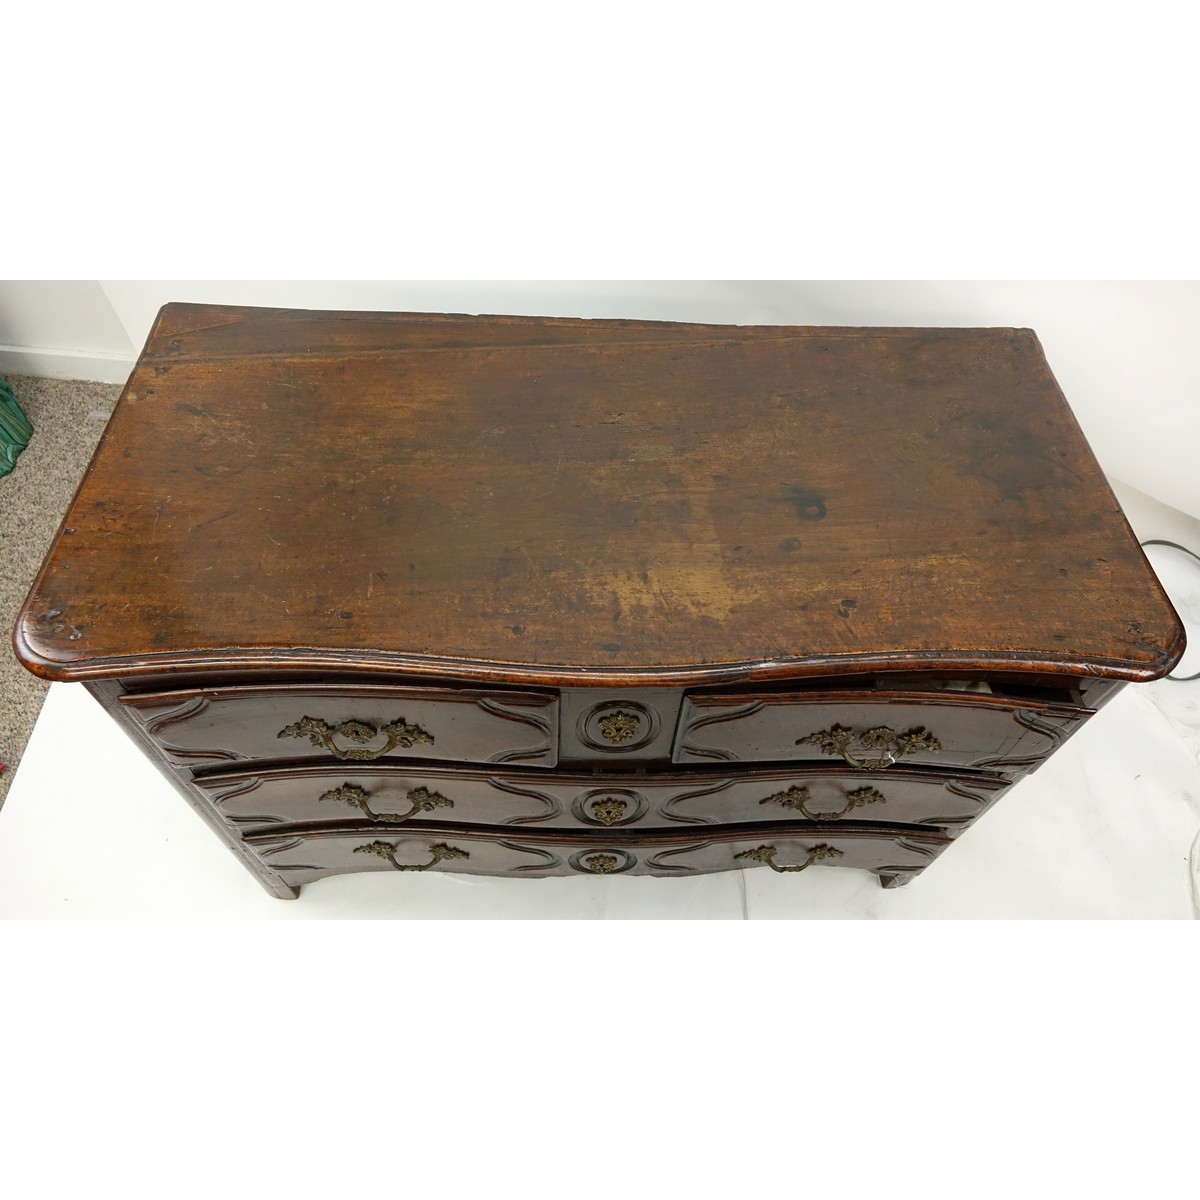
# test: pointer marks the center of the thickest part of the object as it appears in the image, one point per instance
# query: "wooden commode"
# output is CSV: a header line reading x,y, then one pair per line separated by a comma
x,y
518,596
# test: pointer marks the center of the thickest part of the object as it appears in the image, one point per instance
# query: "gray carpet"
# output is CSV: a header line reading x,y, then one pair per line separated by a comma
x,y
68,418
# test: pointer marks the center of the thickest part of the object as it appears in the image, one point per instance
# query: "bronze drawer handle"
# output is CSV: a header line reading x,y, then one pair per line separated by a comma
x,y
421,799
838,740
320,733
766,854
441,853
798,798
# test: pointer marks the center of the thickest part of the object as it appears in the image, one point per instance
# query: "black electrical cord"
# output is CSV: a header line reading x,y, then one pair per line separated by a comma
x,y
1175,546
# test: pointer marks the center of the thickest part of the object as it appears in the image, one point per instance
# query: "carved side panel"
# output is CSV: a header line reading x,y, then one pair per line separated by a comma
x,y
540,719
1050,729
193,707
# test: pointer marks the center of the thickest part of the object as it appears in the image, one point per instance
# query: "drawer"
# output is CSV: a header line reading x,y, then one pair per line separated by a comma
x,y
301,857
874,730
390,795
213,726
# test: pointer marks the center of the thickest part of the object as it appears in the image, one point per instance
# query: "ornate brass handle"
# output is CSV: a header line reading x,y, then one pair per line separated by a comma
x,y
838,740
766,854
421,799
321,733
441,853
798,798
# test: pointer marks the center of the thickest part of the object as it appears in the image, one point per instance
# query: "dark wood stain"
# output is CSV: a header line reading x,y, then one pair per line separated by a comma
x,y
556,477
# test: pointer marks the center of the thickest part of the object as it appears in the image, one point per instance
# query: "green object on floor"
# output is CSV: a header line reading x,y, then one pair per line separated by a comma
x,y
15,429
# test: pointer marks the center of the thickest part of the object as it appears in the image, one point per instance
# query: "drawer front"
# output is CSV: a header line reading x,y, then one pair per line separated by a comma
x,y
302,857
392,795
874,731
214,726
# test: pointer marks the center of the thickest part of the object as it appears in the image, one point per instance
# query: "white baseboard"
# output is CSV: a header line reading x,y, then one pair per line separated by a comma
x,y
65,364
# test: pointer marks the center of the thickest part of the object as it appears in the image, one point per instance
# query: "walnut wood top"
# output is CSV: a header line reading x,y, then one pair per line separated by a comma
x,y
543,500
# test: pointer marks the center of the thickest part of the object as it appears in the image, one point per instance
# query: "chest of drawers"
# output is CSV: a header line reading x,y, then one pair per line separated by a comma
x,y
516,596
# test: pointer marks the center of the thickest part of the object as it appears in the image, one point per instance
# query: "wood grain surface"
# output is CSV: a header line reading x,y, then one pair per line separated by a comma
x,y
601,502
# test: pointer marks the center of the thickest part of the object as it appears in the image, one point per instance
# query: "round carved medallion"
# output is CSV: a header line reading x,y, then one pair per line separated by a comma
x,y
606,861
609,806
618,726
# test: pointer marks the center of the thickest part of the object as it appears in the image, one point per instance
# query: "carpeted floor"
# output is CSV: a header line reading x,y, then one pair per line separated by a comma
x,y
68,418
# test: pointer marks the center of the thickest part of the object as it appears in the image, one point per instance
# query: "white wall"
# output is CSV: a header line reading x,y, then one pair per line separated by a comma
x,y
64,330
1126,354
